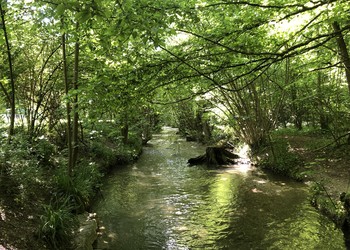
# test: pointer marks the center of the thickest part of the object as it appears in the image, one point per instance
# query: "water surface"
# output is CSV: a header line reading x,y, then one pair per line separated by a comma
x,y
161,203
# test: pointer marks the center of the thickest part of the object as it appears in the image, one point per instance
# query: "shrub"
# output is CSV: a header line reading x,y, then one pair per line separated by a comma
x,y
107,148
328,205
22,170
66,189
79,187
103,153
43,150
57,224
87,180
279,158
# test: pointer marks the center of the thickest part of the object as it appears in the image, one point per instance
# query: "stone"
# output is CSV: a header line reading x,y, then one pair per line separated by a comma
x,y
87,232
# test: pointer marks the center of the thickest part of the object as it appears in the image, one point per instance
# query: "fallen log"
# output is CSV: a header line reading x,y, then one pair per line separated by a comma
x,y
214,156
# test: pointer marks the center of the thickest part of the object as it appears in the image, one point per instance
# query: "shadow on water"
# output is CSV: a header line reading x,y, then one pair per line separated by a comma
x,y
161,203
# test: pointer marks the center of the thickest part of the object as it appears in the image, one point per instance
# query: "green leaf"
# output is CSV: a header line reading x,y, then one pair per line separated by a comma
x,y
83,16
60,9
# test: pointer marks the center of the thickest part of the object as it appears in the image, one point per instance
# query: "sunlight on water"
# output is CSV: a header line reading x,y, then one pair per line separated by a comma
x,y
161,203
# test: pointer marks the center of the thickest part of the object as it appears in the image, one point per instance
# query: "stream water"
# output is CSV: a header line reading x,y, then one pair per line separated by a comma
x,y
161,203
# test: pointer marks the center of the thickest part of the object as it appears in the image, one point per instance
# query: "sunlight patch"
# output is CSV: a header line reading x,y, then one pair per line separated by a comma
x,y
255,190
8,247
243,168
2,215
244,151
261,181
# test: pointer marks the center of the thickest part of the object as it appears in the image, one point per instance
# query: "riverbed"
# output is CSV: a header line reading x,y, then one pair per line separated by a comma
x,y
160,202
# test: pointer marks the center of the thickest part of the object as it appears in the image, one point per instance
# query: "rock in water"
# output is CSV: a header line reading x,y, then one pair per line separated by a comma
x,y
87,232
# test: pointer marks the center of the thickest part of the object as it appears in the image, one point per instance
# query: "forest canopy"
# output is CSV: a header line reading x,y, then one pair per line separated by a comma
x,y
262,63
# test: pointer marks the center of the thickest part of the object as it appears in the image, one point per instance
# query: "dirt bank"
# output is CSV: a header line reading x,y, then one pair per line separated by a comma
x,y
328,165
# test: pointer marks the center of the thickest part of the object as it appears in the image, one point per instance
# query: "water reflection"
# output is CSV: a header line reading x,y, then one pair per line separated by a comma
x,y
161,203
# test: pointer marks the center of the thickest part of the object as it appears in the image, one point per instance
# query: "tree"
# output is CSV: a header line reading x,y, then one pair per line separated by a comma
x,y
240,59
343,51
132,52
9,94
344,54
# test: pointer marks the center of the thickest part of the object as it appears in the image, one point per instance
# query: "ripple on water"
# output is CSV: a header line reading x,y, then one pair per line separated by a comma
x,y
161,203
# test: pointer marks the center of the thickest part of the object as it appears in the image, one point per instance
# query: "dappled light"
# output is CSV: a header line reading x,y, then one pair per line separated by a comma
x,y
2,214
160,202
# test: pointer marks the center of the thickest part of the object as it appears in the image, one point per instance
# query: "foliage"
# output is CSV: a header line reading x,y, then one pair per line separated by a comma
x,y
43,150
22,168
57,224
194,119
279,158
330,206
77,189
106,144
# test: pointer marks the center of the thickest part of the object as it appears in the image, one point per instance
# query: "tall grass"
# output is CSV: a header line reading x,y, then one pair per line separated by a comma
x,y
57,224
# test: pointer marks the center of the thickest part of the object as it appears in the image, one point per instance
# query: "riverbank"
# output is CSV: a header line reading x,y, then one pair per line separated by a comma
x,y
323,165
314,157
326,168
327,165
39,201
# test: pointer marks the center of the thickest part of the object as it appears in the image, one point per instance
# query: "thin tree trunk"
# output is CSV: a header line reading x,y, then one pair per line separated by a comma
x,y
296,109
11,95
323,117
75,103
68,107
343,52
125,130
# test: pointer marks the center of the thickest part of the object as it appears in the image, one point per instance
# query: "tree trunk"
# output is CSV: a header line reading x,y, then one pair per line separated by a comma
x,y
296,110
214,156
207,130
68,107
125,132
75,143
323,117
10,96
344,54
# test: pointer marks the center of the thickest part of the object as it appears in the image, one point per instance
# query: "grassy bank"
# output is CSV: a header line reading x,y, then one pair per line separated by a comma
x,y
39,200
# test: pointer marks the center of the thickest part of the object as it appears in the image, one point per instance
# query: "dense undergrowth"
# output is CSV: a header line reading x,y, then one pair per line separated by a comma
x,y
278,155
278,158
34,171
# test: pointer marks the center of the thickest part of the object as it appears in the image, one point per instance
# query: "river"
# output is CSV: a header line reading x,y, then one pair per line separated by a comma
x,y
161,203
